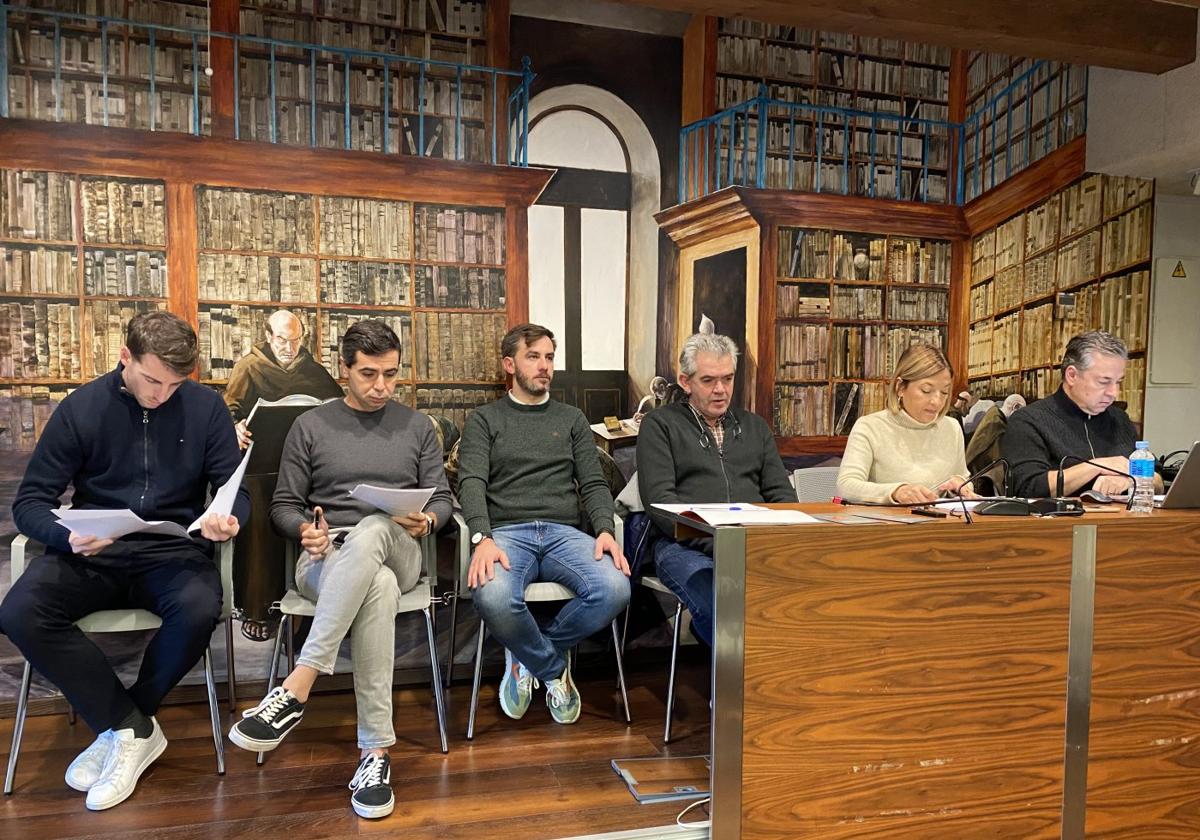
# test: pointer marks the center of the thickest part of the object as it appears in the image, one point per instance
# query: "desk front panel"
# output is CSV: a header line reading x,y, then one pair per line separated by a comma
x,y
1143,776
905,681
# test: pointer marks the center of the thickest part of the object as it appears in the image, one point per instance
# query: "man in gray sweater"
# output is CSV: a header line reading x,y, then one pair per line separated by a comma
x,y
525,463
356,561
703,450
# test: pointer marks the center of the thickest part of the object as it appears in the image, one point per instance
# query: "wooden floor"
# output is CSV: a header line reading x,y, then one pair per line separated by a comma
x,y
526,779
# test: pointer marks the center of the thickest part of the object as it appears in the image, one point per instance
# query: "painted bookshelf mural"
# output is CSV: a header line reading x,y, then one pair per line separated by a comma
x,y
847,305
80,255
1077,261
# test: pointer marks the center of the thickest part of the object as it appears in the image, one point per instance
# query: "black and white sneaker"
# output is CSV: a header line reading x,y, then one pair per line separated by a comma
x,y
372,785
262,728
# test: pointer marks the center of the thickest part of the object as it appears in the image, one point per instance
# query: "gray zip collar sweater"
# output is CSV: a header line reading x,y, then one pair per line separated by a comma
x,y
678,461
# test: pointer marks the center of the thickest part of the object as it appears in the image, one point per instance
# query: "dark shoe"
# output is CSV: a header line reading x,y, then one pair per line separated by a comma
x,y
372,795
264,727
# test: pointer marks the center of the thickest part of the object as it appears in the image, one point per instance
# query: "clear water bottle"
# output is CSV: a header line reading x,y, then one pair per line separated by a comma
x,y
1141,466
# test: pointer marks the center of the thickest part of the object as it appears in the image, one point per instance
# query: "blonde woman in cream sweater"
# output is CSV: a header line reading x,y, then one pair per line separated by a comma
x,y
911,451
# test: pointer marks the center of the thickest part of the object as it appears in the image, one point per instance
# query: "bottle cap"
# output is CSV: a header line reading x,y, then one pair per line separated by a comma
x,y
1142,444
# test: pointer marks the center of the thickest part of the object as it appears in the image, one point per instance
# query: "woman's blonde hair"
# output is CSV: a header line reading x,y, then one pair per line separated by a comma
x,y
920,361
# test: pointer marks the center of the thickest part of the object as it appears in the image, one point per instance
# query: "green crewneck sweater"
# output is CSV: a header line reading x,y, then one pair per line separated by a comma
x,y
519,463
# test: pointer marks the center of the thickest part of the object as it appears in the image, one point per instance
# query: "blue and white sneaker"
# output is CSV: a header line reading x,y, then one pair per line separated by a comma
x,y
562,697
516,687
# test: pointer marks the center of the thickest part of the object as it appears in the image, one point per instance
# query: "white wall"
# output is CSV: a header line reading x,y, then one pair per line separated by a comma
x,y
1145,125
1173,411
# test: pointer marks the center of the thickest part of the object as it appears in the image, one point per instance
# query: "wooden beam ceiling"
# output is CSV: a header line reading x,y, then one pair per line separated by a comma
x,y
1145,35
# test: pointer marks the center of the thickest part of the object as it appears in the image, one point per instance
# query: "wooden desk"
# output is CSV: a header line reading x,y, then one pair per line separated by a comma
x,y
1010,678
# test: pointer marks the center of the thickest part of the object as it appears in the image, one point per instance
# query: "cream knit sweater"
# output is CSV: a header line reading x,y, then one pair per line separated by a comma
x,y
886,450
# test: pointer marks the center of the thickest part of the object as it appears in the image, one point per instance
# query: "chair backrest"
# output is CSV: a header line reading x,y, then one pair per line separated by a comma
x,y
815,484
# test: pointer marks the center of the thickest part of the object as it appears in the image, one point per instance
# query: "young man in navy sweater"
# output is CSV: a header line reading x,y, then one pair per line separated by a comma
x,y
147,438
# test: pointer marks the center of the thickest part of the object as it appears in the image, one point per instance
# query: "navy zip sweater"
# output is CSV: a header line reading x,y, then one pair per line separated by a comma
x,y
157,462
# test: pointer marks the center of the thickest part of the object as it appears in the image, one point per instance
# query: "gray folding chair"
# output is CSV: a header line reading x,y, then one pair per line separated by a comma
x,y
119,621
421,597
541,591
815,484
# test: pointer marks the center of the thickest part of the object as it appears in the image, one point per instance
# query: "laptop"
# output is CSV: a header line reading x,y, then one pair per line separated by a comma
x,y
1185,489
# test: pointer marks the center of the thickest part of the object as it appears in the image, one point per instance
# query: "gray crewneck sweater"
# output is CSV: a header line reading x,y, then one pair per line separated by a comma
x,y
520,463
332,448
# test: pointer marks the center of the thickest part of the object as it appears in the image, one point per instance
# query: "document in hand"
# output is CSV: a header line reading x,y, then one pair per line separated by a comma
x,y
392,501
226,495
740,514
113,524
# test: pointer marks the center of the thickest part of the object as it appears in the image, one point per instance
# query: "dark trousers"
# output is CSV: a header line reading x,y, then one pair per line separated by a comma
x,y
174,579
687,570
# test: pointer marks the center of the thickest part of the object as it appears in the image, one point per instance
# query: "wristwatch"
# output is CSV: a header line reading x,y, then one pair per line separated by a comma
x,y
477,538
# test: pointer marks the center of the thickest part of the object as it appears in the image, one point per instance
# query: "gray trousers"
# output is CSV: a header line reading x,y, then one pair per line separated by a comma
x,y
357,589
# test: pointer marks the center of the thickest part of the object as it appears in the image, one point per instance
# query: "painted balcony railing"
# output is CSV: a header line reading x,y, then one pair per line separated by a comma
x,y
80,68
828,149
1024,121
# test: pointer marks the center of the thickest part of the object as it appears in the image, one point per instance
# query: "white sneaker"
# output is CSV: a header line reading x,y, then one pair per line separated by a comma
x,y
127,760
85,769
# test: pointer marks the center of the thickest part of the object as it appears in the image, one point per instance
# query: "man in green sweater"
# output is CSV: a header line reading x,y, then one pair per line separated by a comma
x,y
525,464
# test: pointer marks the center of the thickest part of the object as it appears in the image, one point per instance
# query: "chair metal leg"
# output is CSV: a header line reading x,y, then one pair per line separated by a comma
x,y
671,677
453,638
475,684
214,711
231,669
620,671
291,649
285,628
437,679
18,729
625,625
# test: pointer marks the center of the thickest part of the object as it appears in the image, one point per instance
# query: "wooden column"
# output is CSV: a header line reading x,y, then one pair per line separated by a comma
x,y
182,287
224,18
517,282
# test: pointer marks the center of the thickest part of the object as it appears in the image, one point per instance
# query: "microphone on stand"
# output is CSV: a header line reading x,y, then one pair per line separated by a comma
x,y
957,492
1058,484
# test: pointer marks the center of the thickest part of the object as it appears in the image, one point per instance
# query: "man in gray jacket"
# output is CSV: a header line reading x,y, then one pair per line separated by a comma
x,y
702,451
356,561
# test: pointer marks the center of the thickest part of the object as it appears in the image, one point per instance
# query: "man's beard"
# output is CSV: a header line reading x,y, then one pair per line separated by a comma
x,y
530,386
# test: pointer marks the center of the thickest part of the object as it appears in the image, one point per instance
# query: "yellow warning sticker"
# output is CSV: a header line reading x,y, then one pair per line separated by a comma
x,y
1179,272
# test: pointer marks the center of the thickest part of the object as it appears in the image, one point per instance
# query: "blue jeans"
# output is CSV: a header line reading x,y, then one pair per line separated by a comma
x,y
688,572
548,551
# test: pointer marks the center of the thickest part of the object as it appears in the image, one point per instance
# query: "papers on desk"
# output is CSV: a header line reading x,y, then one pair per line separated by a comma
x,y
740,514
114,524
391,501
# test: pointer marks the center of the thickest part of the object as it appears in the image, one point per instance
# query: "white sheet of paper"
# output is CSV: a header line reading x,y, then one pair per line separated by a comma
x,y
226,495
742,514
113,524
392,501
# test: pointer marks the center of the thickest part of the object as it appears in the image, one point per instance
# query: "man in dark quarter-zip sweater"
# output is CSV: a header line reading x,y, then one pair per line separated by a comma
x,y
146,438
704,450
1077,423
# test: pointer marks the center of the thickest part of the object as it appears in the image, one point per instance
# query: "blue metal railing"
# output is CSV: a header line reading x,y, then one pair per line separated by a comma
x,y
902,152
826,148
1028,87
469,94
